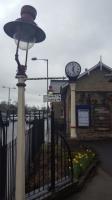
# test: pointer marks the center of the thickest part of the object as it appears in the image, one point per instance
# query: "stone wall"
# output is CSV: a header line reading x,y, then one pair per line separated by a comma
x,y
94,81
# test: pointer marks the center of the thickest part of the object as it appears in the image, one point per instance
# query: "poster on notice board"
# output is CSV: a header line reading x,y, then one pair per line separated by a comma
x,y
83,116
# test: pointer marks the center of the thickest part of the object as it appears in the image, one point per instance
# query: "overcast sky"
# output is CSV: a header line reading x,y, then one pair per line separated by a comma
x,y
76,30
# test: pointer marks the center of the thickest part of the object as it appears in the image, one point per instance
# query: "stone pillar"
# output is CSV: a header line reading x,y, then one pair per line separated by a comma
x,y
73,111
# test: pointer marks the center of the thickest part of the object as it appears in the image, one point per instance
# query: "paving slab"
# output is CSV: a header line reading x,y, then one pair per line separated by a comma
x,y
99,187
104,151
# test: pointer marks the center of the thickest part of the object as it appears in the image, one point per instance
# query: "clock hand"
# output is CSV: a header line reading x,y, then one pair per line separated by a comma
x,y
73,69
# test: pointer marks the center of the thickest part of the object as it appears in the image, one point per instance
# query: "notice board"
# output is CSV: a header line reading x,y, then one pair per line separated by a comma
x,y
83,116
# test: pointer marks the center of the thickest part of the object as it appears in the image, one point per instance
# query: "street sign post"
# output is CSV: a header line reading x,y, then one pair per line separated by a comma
x,y
52,98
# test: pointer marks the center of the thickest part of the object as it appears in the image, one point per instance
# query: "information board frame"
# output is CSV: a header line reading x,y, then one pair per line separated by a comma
x,y
83,116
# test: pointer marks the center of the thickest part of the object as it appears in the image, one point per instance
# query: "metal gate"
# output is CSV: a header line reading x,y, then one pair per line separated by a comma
x,y
51,166
48,157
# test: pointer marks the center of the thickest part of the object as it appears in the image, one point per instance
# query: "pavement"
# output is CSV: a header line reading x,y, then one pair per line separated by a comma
x,y
104,151
99,186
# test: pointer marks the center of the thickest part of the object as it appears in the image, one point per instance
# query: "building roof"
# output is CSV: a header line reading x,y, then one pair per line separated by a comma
x,y
58,84
99,65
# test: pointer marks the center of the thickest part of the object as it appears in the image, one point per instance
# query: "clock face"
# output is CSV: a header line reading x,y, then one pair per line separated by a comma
x,y
72,69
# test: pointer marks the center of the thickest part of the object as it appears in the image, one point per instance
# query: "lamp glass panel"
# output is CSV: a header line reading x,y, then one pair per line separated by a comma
x,y
26,35
24,45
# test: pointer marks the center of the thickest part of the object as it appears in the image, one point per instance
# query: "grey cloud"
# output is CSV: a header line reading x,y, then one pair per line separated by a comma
x,y
78,30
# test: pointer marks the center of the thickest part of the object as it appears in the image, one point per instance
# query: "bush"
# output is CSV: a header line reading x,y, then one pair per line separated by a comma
x,y
81,161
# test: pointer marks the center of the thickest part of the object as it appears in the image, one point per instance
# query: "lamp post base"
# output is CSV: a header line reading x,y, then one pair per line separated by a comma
x,y
73,132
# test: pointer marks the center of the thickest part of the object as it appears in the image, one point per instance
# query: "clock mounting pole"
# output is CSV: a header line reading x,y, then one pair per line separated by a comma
x,y
72,71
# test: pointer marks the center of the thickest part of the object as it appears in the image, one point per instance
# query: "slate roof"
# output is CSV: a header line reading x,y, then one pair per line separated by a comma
x,y
57,84
98,65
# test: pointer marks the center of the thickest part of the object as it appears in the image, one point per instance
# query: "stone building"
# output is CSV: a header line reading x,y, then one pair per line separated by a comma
x,y
93,103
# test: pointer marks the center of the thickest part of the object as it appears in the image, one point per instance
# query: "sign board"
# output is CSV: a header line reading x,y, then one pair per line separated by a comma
x,y
83,118
52,98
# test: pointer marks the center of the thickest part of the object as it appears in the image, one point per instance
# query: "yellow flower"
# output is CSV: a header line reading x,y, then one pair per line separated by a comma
x,y
76,161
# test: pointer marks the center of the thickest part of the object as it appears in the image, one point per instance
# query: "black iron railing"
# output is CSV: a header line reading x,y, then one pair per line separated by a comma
x,y
48,156
52,165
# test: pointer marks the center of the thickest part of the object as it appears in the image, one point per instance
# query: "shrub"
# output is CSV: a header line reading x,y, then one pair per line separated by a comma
x,y
81,161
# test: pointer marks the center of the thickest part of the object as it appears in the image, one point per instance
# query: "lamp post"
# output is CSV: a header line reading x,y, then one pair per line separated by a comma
x,y
46,60
9,89
25,32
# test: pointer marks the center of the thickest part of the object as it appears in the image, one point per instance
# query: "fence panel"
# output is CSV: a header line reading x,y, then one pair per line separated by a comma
x,y
48,157
51,166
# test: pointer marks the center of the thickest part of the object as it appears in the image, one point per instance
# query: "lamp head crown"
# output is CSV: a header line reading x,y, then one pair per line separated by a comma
x,y
24,28
28,12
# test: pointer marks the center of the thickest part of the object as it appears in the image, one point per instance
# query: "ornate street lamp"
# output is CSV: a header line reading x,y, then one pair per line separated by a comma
x,y
26,33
